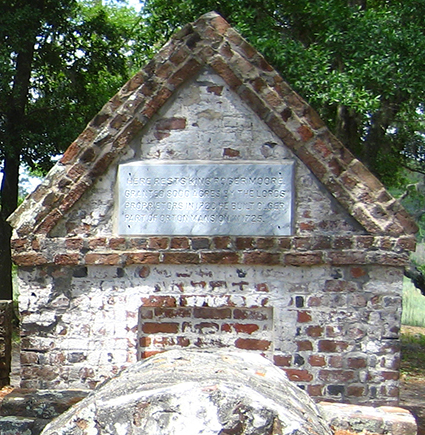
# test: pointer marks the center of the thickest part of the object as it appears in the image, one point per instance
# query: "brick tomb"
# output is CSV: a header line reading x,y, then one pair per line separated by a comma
x,y
207,206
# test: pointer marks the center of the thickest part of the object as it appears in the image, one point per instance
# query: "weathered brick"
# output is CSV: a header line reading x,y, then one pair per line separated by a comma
x,y
142,258
298,375
304,258
223,257
159,242
336,375
179,243
282,360
317,360
67,259
29,259
252,344
261,257
332,346
159,301
303,316
212,313
105,259
223,70
181,258
164,328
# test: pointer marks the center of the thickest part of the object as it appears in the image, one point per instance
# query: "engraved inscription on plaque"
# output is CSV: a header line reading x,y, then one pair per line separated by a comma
x,y
205,199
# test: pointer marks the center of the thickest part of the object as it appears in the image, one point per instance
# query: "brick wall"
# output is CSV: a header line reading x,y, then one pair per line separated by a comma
x,y
323,303
333,329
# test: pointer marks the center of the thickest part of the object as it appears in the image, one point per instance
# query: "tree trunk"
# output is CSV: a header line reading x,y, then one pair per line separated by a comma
x,y
15,124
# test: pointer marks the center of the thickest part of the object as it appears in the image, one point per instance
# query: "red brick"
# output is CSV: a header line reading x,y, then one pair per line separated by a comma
x,y
223,257
305,133
252,344
145,341
251,98
250,314
149,353
75,194
142,258
158,242
243,243
407,243
247,328
19,245
304,258
261,257
390,376
358,272
29,259
315,390
303,316
164,328
355,390
117,243
226,328
49,222
67,259
335,361
285,243
304,345
322,148
336,375
179,243
314,331
98,242
223,70
317,360
222,242
332,346
156,102
186,71
74,243
230,152
106,259
181,258
70,154
212,313
282,361
298,375
206,327
262,287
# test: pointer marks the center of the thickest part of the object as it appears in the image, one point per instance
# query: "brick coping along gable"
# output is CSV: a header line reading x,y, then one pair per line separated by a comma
x,y
211,42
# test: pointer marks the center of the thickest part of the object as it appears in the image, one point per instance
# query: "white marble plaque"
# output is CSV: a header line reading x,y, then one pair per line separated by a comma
x,y
205,199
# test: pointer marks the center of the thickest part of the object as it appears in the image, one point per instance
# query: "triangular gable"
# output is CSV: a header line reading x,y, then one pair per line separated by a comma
x,y
211,42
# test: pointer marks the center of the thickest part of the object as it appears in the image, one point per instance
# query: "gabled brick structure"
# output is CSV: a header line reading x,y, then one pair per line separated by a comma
x,y
323,300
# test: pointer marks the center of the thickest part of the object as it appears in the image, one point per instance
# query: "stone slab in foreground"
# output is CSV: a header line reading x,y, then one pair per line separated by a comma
x,y
190,392
388,420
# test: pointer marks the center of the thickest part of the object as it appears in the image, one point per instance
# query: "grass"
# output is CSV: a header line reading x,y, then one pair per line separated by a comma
x,y
413,333
413,305
413,353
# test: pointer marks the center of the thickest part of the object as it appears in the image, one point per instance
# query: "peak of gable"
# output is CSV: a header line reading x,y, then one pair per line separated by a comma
x,y
211,43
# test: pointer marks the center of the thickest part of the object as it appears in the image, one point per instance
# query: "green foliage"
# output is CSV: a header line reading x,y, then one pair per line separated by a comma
x,y
78,62
359,63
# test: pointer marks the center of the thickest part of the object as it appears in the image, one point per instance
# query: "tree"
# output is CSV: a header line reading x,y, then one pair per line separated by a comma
x,y
358,62
60,60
